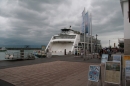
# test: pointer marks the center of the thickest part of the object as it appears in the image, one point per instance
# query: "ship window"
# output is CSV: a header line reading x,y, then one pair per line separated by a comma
x,y
65,37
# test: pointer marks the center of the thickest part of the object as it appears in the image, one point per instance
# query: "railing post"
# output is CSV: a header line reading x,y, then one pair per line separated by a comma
x,y
22,54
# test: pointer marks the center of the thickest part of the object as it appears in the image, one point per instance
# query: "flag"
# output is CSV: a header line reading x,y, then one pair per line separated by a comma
x,y
90,24
83,21
87,23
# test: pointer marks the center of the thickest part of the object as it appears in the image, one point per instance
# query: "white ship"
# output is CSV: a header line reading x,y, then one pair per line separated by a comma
x,y
70,42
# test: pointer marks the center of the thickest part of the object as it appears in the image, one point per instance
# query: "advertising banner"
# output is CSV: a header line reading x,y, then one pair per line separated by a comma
x,y
104,58
113,72
87,23
117,58
126,57
127,70
94,73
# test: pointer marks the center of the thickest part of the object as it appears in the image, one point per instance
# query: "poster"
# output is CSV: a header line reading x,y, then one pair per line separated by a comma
x,y
104,58
117,58
126,57
127,69
112,72
94,73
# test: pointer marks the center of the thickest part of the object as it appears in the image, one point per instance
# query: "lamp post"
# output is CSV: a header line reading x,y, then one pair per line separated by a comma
x,y
109,43
96,43
129,10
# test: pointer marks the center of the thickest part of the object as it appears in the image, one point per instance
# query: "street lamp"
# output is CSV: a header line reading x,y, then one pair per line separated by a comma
x,y
96,43
109,43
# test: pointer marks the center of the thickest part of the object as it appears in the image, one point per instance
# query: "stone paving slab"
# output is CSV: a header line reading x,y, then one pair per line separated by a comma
x,y
55,73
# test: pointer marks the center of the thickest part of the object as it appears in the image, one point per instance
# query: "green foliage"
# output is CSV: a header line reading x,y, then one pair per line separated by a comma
x,y
121,45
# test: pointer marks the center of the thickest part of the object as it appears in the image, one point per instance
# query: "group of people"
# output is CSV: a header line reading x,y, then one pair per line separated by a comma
x,y
79,52
108,51
105,51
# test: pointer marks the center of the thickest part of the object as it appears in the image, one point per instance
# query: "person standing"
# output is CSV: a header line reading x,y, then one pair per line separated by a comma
x,y
82,53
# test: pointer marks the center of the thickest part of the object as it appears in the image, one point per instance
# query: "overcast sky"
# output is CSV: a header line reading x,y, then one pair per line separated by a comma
x,y
34,22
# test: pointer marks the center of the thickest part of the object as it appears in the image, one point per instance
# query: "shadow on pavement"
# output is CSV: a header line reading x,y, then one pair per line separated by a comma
x,y
4,83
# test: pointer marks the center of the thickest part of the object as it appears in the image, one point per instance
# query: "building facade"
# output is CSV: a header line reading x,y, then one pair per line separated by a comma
x,y
125,10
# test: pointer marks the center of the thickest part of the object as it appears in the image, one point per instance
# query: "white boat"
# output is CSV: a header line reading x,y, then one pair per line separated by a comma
x,y
39,53
3,49
69,42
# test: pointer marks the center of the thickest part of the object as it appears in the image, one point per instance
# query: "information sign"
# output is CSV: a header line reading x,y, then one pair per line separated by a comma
x,y
127,69
126,57
117,58
94,73
113,72
104,58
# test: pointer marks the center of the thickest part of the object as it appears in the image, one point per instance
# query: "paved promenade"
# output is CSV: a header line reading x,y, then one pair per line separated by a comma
x,y
56,71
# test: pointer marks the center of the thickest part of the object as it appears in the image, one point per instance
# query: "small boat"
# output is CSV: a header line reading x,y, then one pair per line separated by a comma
x,y
40,53
3,49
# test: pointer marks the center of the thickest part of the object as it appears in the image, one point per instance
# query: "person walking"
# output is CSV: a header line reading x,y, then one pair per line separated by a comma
x,y
82,53
100,52
109,54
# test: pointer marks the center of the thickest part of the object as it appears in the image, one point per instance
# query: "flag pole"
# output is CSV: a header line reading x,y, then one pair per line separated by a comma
x,y
84,34
84,43
91,32
88,31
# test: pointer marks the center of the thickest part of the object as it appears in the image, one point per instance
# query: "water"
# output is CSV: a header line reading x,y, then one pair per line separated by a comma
x,y
2,54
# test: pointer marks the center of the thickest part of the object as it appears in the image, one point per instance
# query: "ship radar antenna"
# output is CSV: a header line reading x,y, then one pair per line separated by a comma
x,y
70,27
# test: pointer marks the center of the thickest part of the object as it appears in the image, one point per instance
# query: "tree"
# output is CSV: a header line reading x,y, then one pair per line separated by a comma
x,y
121,45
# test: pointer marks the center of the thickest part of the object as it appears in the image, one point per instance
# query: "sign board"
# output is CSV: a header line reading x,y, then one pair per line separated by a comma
x,y
127,70
104,58
126,57
117,58
113,72
94,73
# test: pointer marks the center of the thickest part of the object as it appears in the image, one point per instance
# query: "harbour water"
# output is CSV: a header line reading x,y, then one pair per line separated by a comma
x,y
2,54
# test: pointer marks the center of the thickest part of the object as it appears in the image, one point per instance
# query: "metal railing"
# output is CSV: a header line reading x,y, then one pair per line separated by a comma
x,y
19,55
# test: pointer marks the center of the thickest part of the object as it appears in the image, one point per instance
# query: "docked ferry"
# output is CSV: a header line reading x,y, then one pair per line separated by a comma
x,y
71,42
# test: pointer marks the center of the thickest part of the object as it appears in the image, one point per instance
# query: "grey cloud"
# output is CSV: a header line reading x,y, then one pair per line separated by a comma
x,y
36,21
109,11
41,5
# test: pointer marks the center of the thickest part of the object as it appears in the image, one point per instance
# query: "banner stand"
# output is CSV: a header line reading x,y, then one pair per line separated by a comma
x,y
111,82
104,58
127,73
99,82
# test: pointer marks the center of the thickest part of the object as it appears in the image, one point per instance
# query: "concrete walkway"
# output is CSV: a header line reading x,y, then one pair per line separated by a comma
x,y
56,71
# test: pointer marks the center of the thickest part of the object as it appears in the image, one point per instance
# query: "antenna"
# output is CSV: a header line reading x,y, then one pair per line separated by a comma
x,y
70,27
